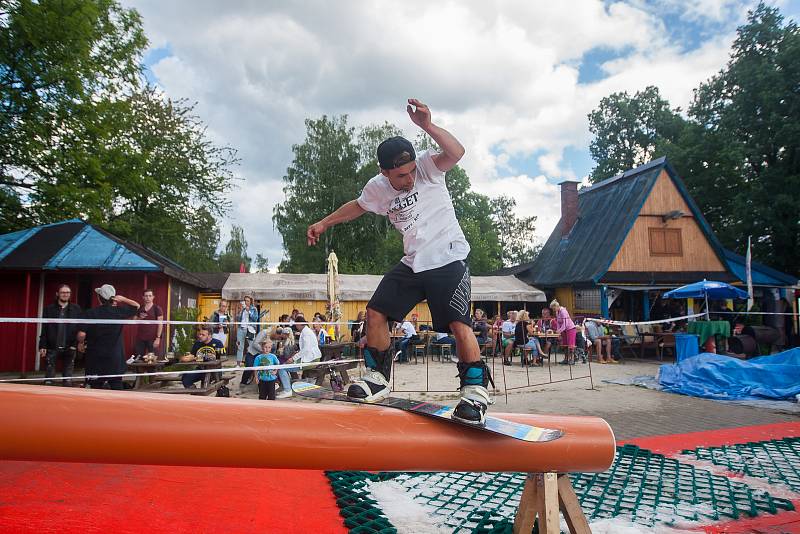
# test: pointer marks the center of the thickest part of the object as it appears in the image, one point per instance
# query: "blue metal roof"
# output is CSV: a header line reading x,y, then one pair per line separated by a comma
x,y
90,249
760,273
75,244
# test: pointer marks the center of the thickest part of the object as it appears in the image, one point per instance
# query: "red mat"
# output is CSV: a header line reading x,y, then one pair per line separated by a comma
x,y
65,498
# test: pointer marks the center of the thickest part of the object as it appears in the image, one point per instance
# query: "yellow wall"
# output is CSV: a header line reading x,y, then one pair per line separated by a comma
x,y
634,255
207,303
566,297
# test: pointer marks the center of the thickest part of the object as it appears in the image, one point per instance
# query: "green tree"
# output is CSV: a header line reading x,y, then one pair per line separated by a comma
x,y
630,131
515,234
85,136
739,150
261,263
747,178
235,253
55,58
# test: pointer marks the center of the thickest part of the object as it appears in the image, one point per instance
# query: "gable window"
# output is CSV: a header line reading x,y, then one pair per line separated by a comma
x,y
665,242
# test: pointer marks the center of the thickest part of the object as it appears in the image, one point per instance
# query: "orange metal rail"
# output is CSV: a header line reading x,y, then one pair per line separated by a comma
x,y
75,425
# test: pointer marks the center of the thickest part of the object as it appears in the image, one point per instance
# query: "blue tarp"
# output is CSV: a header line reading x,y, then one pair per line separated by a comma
x,y
713,376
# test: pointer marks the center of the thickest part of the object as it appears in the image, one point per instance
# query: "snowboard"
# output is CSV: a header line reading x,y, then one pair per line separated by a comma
x,y
442,412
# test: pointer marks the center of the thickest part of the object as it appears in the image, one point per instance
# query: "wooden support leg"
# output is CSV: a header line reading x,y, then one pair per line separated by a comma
x,y
543,495
548,513
528,506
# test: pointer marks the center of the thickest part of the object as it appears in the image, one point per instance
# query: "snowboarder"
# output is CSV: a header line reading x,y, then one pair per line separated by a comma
x,y
410,189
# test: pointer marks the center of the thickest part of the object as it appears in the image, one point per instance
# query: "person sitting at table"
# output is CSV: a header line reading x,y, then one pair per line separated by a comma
x,y
522,338
442,338
507,331
566,328
480,326
266,377
596,335
208,349
357,330
319,331
497,325
309,345
537,354
409,336
543,325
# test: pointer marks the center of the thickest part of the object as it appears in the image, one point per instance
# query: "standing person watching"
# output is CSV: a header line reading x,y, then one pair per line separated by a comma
x,y
247,329
219,323
60,340
105,349
412,193
566,328
148,336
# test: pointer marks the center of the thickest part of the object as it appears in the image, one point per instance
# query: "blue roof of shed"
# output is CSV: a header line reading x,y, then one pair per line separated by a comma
x,y
75,244
761,274
90,249
606,213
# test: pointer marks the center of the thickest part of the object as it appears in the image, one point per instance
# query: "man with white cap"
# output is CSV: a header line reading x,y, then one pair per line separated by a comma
x,y
105,350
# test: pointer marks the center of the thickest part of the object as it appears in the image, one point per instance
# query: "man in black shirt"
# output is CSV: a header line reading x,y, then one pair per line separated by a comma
x,y
104,345
59,340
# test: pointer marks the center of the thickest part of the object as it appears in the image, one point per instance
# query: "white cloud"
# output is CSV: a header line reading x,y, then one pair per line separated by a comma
x,y
502,76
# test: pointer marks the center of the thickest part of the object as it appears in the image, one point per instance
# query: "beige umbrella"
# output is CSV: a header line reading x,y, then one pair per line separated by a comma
x,y
333,288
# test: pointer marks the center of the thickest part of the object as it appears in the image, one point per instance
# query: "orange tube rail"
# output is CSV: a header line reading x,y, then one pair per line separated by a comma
x,y
76,425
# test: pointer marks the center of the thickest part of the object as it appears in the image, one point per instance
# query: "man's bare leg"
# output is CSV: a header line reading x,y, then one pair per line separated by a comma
x,y
466,342
377,330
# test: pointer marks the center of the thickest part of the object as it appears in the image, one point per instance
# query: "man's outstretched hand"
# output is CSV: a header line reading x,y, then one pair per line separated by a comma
x,y
313,233
419,113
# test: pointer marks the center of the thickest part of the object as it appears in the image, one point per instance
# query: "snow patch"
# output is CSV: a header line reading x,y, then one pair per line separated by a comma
x,y
405,514
622,525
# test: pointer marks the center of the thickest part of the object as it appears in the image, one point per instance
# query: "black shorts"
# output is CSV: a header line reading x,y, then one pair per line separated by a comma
x,y
447,289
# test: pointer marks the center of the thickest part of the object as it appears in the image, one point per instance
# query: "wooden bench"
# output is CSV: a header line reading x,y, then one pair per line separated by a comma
x,y
330,353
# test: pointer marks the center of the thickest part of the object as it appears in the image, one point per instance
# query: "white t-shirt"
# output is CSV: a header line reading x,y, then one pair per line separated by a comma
x,y
309,346
408,329
508,327
425,216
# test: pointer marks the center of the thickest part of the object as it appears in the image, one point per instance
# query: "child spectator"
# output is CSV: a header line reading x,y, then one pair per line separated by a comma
x,y
266,377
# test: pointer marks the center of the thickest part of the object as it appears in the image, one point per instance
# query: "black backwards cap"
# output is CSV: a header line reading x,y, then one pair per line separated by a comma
x,y
394,152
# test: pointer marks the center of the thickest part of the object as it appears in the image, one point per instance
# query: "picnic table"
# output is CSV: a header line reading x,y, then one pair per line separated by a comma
x,y
210,384
332,352
138,366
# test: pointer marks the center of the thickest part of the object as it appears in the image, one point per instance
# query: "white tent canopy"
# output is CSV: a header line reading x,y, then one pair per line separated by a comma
x,y
359,287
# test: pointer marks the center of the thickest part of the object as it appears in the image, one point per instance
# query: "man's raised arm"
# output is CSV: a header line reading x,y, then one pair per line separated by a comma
x,y
452,149
347,212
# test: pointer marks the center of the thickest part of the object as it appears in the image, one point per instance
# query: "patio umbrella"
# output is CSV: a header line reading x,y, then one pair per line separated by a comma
x,y
333,285
706,289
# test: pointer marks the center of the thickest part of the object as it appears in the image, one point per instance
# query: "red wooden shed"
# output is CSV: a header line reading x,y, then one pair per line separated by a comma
x,y
35,261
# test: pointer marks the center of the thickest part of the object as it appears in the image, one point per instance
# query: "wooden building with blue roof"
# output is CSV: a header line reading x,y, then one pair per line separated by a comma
x,y
622,241
34,262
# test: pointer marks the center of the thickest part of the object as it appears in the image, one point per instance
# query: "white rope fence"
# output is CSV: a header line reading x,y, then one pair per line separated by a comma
x,y
56,320
287,366
634,323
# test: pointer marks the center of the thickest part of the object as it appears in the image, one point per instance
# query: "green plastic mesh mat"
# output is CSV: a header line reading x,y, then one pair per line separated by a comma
x,y
641,486
777,461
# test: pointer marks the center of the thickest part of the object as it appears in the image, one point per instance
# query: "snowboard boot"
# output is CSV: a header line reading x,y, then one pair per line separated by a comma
x,y
475,398
373,386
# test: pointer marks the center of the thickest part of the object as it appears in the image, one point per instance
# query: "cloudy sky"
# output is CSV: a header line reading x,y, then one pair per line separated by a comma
x,y
513,80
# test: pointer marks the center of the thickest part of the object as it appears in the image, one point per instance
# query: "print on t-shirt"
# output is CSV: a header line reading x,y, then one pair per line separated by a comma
x,y
424,216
